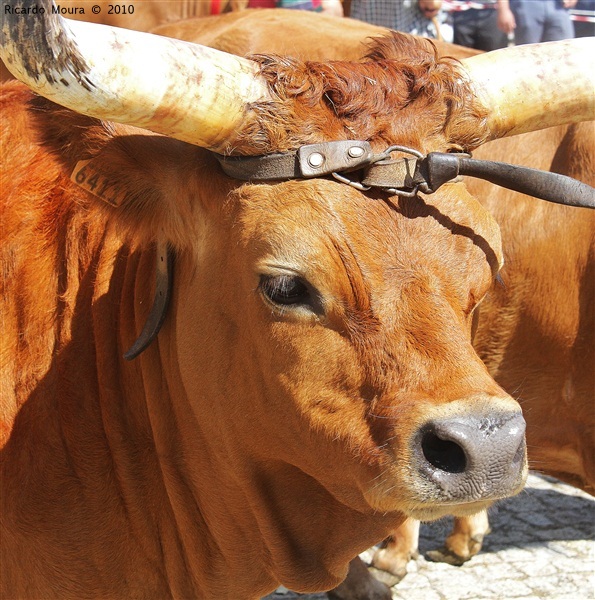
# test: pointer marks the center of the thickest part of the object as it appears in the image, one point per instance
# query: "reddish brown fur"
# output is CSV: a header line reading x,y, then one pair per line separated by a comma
x,y
165,453
400,75
97,448
72,266
565,150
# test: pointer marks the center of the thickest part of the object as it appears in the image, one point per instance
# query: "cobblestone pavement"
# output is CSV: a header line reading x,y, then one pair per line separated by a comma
x,y
541,546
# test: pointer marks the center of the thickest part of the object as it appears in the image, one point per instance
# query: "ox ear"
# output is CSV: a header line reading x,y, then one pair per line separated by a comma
x,y
150,183
149,186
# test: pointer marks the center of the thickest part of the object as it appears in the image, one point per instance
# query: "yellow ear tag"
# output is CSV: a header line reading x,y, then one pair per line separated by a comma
x,y
87,176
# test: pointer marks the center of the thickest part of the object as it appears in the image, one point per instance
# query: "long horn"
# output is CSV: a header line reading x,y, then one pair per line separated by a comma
x,y
527,88
185,91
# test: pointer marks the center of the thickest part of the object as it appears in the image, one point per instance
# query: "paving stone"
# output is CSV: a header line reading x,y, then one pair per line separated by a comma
x,y
551,585
533,568
417,593
567,549
507,555
515,587
575,597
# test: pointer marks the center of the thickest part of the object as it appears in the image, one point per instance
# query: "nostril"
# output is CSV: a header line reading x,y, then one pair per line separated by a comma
x,y
519,455
443,454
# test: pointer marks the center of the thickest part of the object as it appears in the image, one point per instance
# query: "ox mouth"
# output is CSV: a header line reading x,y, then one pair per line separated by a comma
x,y
435,512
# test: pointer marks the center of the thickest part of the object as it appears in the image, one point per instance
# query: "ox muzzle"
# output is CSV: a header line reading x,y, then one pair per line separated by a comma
x,y
466,459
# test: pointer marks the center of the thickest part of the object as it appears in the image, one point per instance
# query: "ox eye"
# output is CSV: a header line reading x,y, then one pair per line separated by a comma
x,y
285,290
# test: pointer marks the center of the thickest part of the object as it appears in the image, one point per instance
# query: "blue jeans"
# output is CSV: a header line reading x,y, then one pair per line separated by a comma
x,y
540,21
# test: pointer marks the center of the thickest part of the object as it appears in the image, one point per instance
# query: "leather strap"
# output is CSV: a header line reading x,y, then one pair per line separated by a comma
x,y
403,176
312,160
438,168
400,173
261,168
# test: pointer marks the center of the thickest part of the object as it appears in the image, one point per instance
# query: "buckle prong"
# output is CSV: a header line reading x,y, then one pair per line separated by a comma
x,y
354,184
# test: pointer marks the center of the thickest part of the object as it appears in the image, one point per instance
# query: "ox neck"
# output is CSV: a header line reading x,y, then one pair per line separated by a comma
x,y
123,459
109,465
267,512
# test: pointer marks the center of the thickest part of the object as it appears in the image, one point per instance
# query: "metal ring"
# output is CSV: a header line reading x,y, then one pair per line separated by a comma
x,y
404,149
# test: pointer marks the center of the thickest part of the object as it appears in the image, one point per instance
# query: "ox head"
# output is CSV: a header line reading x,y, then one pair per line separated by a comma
x,y
321,335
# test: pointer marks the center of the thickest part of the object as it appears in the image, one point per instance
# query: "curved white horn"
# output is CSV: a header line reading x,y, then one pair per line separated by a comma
x,y
185,91
527,88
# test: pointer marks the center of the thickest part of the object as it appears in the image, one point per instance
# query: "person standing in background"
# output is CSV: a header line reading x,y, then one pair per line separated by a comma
x,y
417,17
532,22
330,7
475,25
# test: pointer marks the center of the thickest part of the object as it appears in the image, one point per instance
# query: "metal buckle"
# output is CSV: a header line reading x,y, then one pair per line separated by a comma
x,y
398,176
378,159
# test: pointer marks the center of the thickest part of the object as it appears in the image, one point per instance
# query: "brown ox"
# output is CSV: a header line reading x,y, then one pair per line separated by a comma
x,y
295,33
536,328
537,344
314,380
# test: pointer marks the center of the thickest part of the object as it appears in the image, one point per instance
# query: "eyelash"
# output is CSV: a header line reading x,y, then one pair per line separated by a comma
x,y
285,290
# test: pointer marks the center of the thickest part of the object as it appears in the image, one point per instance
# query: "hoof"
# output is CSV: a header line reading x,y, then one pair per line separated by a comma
x,y
390,562
387,578
446,556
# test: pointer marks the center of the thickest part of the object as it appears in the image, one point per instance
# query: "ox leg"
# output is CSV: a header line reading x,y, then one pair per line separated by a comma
x,y
465,540
360,584
398,549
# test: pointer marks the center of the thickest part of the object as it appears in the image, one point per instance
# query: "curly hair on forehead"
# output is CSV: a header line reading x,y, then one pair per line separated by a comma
x,y
400,84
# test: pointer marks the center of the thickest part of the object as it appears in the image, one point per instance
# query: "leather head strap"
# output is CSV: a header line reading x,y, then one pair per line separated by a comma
x,y
312,160
354,163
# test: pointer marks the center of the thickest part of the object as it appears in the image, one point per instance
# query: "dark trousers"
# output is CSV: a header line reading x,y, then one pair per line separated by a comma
x,y
478,28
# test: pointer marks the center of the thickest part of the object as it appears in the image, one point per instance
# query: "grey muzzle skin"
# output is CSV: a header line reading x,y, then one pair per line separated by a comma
x,y
466,459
